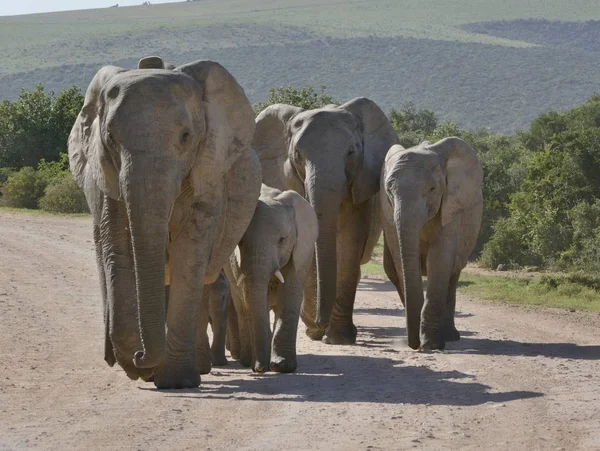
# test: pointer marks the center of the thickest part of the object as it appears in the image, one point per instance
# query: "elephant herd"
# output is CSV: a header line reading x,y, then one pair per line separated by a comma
x,y
204,213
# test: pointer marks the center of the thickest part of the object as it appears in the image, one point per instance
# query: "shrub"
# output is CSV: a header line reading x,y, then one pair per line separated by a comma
x,y
23,189
306,98
508,246
413,125
4,174
63,195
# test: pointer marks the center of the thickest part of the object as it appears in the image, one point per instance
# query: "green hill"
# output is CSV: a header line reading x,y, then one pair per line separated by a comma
x,y
482,63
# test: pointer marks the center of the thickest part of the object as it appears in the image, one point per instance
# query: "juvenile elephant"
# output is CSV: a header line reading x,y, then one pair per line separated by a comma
x,y
267,272
164,159
216,300
431,212
333,157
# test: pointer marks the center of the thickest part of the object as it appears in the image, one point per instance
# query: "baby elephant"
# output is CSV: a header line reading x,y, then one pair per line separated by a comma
x,y
267,272
216,299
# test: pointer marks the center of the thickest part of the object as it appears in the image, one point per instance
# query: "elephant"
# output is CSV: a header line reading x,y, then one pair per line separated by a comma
x,y
216,299
267,272
431,208
165,163
333,157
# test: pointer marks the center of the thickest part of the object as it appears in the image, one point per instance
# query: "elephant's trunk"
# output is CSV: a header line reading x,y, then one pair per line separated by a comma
x,y
148,219
256,295
408,228
326,201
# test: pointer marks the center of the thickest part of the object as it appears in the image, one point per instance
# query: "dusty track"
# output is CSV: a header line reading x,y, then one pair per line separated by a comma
x,y
519,379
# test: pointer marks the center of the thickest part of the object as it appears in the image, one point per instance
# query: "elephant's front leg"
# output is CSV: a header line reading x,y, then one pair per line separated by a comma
x,y
232,337
353,230
288,297
203,359
440,263
390,269
188,257
308,311
450,331
218,307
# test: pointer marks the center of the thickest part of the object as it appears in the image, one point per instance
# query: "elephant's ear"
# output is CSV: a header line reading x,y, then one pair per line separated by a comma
x,y
229,124
378,136
271,143
87,154
464,177
307,227
151,62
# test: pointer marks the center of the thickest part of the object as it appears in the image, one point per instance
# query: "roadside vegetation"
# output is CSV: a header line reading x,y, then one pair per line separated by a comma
x,y
541,187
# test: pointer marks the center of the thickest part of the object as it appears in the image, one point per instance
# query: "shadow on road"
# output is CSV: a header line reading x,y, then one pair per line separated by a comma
x,y
487,346
375,285
335,378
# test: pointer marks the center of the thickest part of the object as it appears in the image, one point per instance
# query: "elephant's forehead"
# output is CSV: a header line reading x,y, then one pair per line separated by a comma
x,y
324,118
272,212
152,84
415,156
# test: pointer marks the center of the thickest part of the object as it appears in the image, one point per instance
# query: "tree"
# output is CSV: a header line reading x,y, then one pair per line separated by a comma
x,y
306,98
413,125
36,126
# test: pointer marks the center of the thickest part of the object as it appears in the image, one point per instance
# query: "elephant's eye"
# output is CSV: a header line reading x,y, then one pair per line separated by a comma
x,y
281,241
185,136
432,189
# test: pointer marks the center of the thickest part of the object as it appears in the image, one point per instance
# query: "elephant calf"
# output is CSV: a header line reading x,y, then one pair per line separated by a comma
x,y
267,272
431,204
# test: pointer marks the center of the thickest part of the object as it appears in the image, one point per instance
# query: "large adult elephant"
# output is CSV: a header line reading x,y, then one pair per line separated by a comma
x,y
332,156
164,159
432,203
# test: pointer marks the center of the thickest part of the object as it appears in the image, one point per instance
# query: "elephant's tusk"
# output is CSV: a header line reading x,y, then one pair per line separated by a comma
x,y
238,257
279,276
241,279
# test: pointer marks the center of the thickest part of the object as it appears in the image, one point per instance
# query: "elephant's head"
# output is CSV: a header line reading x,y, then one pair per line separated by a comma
x,y
327,155
427,186
139,135
279,240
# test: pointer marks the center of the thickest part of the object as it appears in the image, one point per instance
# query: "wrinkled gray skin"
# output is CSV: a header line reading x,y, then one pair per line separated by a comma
x,y
216,299
333,157
164,160
431,203
268,272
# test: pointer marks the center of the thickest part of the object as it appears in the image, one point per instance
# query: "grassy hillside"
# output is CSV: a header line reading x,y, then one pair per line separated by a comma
x,y
474,61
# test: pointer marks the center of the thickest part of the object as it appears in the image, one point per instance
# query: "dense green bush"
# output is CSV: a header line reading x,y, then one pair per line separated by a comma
x,y
4,174
63,195
37,126
413,125
306,98
555,211
23,189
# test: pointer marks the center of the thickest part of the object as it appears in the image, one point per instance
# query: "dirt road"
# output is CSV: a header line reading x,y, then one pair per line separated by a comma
x,y
519,379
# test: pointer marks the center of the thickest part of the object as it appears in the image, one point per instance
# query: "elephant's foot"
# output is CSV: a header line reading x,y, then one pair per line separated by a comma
x,y
260,368
340,335
430,341
218,358
315,334
246,360
177,376
203,360
451,333
204,366
235,354
284,364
